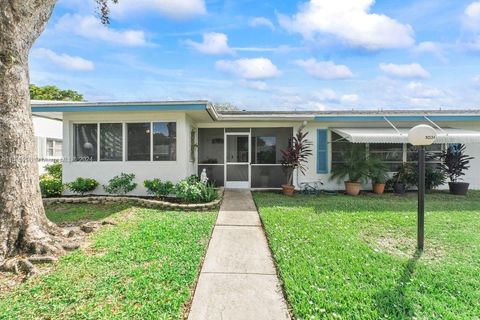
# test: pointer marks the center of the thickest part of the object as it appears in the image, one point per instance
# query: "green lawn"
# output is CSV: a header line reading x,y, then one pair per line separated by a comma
x,y
354,257
64,213
144,267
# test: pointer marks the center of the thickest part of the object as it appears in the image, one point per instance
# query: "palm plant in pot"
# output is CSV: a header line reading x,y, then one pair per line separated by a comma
x,y
400,179
378,174
454,163
295,157
355,168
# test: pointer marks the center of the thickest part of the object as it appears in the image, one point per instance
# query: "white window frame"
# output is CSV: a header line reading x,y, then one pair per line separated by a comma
x,y
124,140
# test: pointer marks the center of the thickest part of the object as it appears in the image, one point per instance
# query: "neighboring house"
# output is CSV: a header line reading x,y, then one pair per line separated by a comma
x,y
48,138
239,149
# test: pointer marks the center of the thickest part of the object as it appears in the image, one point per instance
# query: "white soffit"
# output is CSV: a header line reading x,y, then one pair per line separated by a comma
x,y
390,135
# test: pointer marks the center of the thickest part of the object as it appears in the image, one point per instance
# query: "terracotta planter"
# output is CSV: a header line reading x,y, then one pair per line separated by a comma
x,y
378,188
288,190
352,188
458,188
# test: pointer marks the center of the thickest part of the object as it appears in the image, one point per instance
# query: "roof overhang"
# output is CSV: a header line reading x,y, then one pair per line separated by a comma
x,y
391,135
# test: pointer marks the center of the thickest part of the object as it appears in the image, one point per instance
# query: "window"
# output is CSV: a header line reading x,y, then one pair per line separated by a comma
x,y
164,141
111,147
390,154
54,148
340,146
432,153
267,144
138,141
85,142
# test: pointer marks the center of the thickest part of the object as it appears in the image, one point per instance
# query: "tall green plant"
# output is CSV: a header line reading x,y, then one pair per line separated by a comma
x,y
455,162
355,166
378,170
296,155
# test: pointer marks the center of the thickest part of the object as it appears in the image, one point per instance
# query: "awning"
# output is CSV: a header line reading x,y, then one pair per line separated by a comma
x,y
390,135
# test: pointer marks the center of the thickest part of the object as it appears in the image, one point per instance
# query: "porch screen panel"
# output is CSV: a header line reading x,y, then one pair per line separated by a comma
x,y
85,142
111,144
138,141
268,177
211,146
215,174
267,145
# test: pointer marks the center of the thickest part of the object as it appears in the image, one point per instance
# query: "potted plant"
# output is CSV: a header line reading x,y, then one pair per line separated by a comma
x,y
400,178
378,174
454,163
295,157
355,168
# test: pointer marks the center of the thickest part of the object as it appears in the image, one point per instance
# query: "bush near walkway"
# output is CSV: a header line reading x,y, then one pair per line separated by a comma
x,y
354,258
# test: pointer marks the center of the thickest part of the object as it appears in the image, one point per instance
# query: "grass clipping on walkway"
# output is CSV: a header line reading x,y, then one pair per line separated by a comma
x,y
343,257
145,267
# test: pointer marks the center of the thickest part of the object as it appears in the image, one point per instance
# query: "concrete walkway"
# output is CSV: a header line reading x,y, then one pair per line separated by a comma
x,y
238,278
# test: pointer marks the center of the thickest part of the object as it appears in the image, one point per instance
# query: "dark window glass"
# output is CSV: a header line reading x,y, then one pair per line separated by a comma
x,y
138,141
85,142
340,146
390,153
164,141
111,147
432,153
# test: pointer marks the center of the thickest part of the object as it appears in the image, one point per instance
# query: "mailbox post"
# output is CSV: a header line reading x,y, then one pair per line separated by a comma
x,y
421,136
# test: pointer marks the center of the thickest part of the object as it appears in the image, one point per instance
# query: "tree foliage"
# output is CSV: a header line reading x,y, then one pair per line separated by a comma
x,y
53,93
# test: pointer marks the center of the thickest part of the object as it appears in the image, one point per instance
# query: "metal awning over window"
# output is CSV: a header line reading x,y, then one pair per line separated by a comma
x,y
393,135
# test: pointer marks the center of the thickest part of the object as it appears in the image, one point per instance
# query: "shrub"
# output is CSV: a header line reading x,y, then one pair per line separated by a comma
x,y
82,185
121,184
54,169
455,162
193,191
209,193
189,191
50,186
158,188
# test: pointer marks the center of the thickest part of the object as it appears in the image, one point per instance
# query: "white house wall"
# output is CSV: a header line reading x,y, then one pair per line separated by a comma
x,y
472,176
103,171
45,129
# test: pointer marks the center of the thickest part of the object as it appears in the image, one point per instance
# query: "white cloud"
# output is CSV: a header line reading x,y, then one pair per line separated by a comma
x,y
90,27
257,85
349,98
213,43
433,48
255,68
413,70
471,16
351,22
262,22
64,60
325,69
175,9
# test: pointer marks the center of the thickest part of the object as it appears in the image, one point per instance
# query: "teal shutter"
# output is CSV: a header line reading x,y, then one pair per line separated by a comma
x,y
322,151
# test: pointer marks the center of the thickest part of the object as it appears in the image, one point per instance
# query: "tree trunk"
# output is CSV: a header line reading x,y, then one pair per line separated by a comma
x,y
24,228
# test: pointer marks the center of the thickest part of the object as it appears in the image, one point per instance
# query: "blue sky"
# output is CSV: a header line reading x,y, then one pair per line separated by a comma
x,y
270,55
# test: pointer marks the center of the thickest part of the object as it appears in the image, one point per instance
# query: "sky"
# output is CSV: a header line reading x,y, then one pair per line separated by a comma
x,y
268,55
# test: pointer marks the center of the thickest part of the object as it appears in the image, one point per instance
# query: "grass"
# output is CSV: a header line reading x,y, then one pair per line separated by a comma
x,y
354,257
64,213
145,267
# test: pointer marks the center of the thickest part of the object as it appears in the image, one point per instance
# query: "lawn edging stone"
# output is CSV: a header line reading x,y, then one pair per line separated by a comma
x,y
148,203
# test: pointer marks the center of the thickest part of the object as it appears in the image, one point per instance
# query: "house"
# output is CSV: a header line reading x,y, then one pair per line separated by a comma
x,y
239,149
48,139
